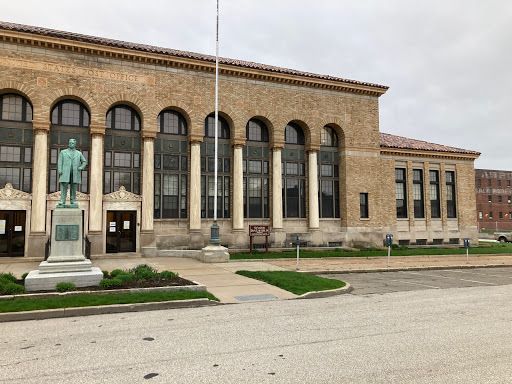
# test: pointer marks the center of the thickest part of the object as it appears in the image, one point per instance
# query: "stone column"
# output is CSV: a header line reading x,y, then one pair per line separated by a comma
x,y
314,221
196,237
37,236
240,238
95,232
147,234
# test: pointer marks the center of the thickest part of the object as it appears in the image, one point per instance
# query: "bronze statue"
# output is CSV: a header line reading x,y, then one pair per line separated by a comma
x,y
71,162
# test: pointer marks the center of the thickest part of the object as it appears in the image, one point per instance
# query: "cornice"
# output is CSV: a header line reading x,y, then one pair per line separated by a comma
x,y
48,42
428,154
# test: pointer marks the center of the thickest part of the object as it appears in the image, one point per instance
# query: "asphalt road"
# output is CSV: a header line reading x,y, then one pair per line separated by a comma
x,y
461,335
386,282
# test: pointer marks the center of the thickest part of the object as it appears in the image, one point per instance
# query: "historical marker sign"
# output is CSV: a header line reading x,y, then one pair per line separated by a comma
x,y
259,230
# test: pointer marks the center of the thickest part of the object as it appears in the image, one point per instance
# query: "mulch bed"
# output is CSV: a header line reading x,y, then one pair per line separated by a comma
x,y
177,281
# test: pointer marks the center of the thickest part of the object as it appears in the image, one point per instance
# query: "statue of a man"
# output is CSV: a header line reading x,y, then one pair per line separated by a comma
x,y
71,162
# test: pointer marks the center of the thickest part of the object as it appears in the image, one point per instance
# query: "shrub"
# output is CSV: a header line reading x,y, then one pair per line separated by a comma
x,y
116,272
337,250
125,277
255,252
167,275
404,247
105,274
395,246
144,272
24,276
65,286
110,283
372,249
8,276
11,288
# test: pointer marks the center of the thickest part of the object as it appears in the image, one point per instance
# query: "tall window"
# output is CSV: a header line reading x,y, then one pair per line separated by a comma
x,y
208,169
401,193
328,171
70,120
450,194
417,189
294,173
256,170
435,201
171,166
363,205
16,138
122,150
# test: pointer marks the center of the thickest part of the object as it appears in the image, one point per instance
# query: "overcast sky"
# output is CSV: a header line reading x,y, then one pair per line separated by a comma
x,y
448,63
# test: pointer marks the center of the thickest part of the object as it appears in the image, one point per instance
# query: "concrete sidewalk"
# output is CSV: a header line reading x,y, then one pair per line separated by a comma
x,y
221,280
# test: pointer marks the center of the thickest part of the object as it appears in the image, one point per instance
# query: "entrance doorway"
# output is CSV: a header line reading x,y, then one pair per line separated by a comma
x,y
12,233
121,233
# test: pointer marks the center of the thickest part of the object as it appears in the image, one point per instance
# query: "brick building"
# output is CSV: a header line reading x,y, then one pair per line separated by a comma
x,y
493,199
299,152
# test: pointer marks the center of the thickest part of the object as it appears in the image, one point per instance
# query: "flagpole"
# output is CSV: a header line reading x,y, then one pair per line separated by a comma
x,y
214,233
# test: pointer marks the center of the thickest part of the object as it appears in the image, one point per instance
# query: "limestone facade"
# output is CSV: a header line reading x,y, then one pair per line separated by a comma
x,y
48,69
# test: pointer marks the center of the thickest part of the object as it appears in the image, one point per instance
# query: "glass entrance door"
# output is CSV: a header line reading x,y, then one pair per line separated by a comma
x,y
121,231
12,233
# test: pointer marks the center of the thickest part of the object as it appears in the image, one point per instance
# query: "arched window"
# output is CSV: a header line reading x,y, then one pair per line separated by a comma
x,y
122,150
328,171
16,138
171,166
256,170
294,172
71,113
208,169
15,108
70,120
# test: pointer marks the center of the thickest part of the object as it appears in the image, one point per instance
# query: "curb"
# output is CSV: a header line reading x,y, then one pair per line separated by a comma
x,y
431,268
104,309
322,294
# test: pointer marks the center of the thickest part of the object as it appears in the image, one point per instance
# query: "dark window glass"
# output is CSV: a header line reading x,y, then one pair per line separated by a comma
x,y
363,205
488,182
327,200
71,113
10,175
123,160
400,193
293,134
15,108
10,154
256,130
450,194
435,200
209,127
172,122
499,199
417,189
124,118
328,137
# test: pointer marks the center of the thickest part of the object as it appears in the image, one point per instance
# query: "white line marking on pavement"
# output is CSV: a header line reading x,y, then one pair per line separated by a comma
x,y
423,285
480,282
483,274
425,274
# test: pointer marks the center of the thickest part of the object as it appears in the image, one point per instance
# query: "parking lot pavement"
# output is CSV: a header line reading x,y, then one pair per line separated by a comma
x,y
386,282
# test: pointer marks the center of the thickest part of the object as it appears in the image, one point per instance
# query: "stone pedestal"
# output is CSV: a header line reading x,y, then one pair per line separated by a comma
x,y
213,253
66,262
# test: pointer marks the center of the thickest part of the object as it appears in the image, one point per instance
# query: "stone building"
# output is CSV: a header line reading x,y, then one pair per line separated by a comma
x,y
493,199
299,152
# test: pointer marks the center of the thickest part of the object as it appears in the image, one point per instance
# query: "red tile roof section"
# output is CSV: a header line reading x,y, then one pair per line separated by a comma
x,y
392,141
172,52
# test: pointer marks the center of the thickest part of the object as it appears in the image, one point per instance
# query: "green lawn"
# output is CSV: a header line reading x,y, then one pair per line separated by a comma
x,y
295,282
494,248
88,300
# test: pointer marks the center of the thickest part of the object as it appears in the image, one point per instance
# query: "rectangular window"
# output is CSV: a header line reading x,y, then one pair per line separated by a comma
x,y
326,170
450,194
417,179
400,193
508,183
435,200
499,183
478,182
255,197
327,191
499,199
108,159
363,205
255,166
489,198
28,155
171,162
292,198
122,179
157,195
170,188
510,215
480,215
501,215
490,215
509,199
52,182
10,175
292,169
488,182
106,183
27,180
123,160
10,154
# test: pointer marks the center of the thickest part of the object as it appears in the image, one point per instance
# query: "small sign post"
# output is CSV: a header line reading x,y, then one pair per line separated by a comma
x,y
389,242
467,245
259,230
298,243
